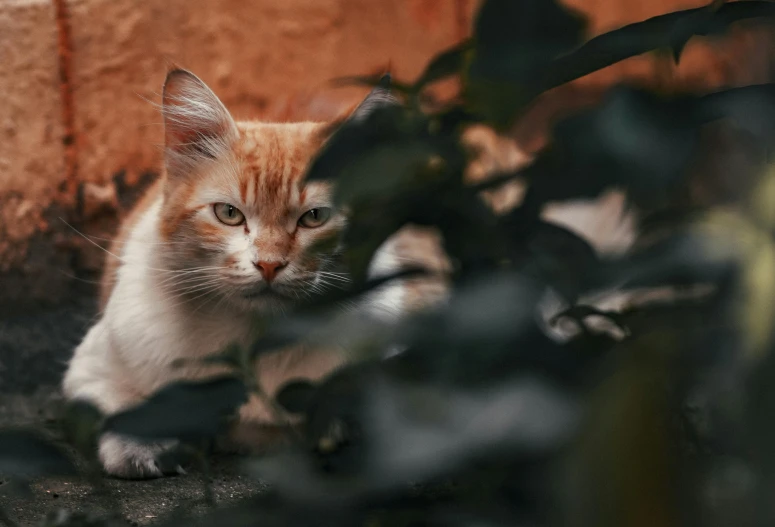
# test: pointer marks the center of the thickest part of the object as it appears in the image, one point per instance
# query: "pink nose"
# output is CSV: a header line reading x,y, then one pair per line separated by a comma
x,y
269,269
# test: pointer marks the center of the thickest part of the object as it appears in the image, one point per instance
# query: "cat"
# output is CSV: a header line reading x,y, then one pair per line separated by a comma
x,y
221,237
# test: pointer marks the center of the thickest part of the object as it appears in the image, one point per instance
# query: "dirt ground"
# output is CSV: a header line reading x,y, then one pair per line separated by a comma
x,y
34,348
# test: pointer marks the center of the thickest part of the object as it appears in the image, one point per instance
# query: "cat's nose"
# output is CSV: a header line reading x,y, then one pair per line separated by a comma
x,y
269,269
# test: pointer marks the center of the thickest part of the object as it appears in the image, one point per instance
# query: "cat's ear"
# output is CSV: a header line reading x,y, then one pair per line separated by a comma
x,y
197,126
379,97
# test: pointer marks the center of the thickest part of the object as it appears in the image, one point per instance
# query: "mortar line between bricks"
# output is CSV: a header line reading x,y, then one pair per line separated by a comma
x,y
64,58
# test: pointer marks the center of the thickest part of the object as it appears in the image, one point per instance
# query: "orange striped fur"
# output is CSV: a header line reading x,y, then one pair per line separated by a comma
x,y
258,169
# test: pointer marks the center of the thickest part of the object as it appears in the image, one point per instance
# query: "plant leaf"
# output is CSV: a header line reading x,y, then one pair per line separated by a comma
x,y
184,410
25,454
550,249
382,80
512,42
500,93
446,64
82,422
352,139
515,39
641,37
633,140
749,108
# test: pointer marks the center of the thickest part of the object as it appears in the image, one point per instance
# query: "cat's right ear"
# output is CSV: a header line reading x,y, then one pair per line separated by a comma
x,y
197,126
379,97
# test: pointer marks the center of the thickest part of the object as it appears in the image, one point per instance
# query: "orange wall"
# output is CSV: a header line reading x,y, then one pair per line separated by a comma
x,y
93,69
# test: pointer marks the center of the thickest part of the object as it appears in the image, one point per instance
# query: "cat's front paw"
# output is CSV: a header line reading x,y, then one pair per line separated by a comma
x,y
127,458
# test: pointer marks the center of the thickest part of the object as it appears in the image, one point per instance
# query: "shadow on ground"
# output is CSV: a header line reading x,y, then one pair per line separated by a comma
x,y
34,349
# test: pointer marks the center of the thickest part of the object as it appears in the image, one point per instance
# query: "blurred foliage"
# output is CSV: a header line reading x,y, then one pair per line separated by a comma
x,y
484,418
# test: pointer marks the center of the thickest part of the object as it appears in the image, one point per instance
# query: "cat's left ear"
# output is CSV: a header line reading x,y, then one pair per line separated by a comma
x,y
379,97
197,126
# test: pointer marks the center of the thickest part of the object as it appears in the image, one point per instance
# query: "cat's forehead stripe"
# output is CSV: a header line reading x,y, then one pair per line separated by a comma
x,y
244,184
274,158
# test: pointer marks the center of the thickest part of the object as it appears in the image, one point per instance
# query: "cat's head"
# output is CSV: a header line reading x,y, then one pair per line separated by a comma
x,y
238,216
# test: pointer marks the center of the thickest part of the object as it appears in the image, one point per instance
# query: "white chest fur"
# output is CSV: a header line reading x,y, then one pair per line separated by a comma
x,y
147,337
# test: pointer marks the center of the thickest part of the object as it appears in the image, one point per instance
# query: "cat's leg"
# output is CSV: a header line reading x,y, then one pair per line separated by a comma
x,y
96,375
262,423
250,437
260,426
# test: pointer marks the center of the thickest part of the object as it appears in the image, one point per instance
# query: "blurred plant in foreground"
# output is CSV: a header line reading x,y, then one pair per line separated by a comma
x,y
484,419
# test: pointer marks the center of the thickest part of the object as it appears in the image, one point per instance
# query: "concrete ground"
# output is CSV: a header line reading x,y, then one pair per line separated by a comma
x,y
34,348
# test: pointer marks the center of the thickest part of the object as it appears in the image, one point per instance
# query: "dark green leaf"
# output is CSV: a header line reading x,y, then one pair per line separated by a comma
x,y
513,42
233,356
560,259
186,410
683,258
640,142
82,422
382,171
419,432
352,139
514,39
445,64
25,454
749,108
501,93
296,396
641,37
382,80
320,322
369,286
633,140
488,313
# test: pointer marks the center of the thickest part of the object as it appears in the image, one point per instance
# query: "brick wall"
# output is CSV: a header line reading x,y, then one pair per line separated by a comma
x,y
79,80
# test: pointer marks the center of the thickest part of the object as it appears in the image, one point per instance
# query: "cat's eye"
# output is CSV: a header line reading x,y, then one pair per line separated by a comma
x,y
315,217
228,214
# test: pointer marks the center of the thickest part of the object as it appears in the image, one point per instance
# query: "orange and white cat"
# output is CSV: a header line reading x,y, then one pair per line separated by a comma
x,y
221,237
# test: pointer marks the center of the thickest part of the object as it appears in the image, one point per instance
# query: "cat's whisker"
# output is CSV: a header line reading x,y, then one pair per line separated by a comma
x,y
91,237
342,277
90,241
325,282
78,279
187,300
197,287
190,270
206,293
189,282
320,287
179,282
341,284
187,270
182,289
124,260
224,298
208,158
208,300
183,276
179,279
143,242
